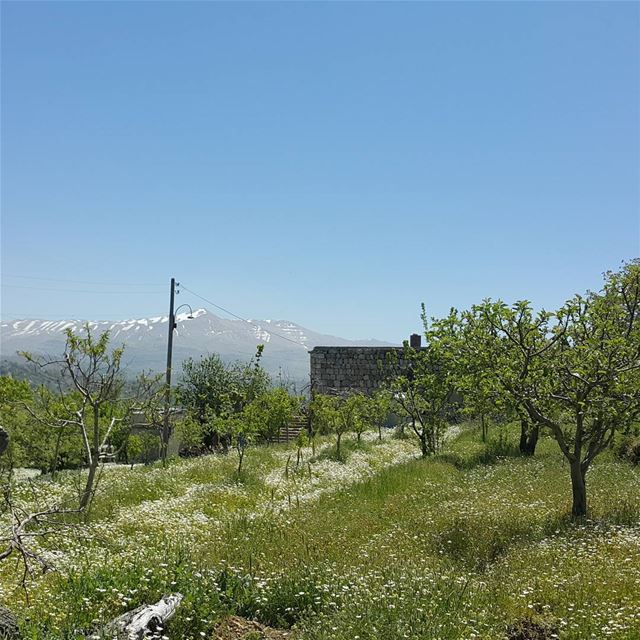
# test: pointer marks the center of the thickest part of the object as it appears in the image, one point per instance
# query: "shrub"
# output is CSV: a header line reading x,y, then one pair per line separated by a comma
x,y
629,449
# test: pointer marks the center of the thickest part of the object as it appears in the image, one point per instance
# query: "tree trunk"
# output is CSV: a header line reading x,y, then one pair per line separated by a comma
x,y
433,438
338,445
211,440
524,427
56,453
4,440
528,437
484,427
94,457
579,488
424,449
144,620
240,458
85,499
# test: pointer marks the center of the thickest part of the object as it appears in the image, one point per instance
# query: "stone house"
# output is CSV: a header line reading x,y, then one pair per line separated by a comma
x,y
337,370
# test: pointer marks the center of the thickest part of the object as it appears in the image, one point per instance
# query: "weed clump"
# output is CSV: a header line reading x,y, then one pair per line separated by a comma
x,y
280,601
532,629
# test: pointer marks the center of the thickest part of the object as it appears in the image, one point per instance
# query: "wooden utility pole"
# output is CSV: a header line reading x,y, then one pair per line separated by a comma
x,y
166,430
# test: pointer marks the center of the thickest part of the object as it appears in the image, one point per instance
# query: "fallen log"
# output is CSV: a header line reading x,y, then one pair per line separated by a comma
x,y
143,621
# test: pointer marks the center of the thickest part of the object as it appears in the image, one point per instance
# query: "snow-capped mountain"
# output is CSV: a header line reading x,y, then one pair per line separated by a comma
x,y
145,339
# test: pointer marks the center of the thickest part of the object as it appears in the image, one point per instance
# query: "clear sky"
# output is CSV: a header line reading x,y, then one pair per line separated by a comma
x,y
334,164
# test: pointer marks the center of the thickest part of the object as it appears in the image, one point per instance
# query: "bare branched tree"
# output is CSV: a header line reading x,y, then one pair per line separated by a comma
x,y
97,402
24,528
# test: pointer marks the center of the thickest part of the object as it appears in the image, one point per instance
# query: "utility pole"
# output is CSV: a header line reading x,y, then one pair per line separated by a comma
x,y
167,390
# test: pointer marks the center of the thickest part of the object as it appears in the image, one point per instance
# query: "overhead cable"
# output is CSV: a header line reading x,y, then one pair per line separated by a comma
x,y
18,286
111,284
235,315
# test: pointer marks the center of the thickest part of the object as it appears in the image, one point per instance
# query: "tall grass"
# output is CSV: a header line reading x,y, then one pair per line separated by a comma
x,y
471,543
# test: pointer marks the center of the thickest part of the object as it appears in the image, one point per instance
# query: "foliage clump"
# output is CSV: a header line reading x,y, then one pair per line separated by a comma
x,y
629,448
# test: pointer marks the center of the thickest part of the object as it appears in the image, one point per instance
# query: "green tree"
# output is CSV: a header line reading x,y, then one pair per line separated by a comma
x,y
249,379
145,408
484,394
47,448
190,433
327,418
210,388
151,442
134,448
204,386
239,430
423,386
375,410
271,412
348,417
247,411
13,395
355,410
302,440
96,405
243,432
582,368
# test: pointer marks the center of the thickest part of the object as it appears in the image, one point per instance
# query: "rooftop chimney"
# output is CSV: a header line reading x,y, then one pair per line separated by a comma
x,y
415,341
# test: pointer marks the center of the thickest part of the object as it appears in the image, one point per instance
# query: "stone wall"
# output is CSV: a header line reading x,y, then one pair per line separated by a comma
x,y
349,369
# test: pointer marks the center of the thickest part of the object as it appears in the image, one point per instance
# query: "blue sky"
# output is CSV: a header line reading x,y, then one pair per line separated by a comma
x,y
334,164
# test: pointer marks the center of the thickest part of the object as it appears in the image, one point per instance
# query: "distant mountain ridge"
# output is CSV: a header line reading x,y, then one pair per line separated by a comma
x,y
145,339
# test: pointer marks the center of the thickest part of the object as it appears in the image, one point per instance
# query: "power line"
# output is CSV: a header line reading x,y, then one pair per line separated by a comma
x,y
235,315
210,302
111,284
18,286
74,316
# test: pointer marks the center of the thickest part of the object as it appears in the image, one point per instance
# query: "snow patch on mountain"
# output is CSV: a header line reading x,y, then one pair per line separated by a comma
x,y
198,333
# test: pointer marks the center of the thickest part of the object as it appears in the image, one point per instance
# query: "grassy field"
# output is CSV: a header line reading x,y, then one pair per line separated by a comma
x,y
473,543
